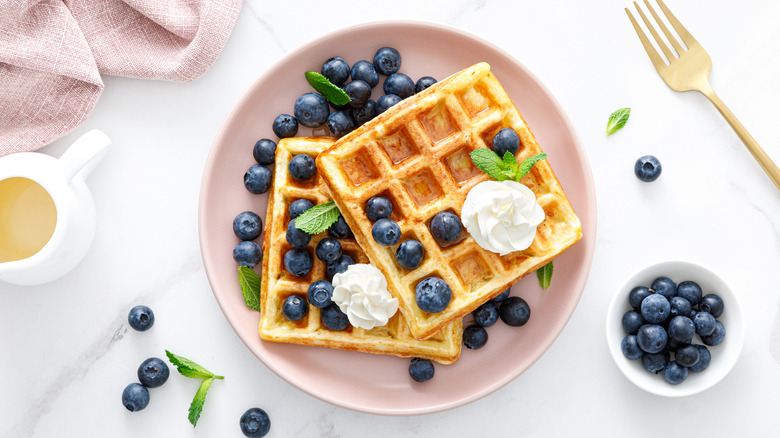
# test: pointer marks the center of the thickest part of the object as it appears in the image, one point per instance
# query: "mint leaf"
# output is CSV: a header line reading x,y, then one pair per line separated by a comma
x,y
189,368
544,274
318,218
618,120
528,163
489,162
332,93
250,286
510,163
196,407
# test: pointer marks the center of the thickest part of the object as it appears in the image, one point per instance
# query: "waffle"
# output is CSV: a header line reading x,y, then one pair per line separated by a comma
x,y
417,155
277,284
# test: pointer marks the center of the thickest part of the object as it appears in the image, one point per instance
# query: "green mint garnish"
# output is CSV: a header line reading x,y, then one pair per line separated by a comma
x,y
544,274
189,368
250,286
332,93
528,163
618,120
503,169
318,218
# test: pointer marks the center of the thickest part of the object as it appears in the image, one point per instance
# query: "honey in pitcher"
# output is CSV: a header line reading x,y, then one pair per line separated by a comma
x,y
27,218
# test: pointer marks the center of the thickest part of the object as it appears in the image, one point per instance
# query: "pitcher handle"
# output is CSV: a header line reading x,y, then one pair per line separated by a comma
x,y
84,154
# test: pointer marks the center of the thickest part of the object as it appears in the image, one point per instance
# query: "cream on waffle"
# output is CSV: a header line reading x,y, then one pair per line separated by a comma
x,y
417,155
277,284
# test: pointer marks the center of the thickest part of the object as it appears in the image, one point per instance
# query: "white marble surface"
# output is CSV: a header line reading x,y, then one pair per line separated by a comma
x,y
66,351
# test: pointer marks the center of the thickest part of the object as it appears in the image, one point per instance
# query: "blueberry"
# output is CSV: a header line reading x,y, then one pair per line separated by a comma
x,y
705,324
298,262
247,253
399,84
359,92
655,308
632,320
295,308
647,168
687,356
423,83
691,291
675,373
320,293
340,229
506,140
475,337
365,71
378,207
336,70
420,369
664,286
257,179
655,362
363,114
712,304
679,306
311,110
302,167
285,126
386,232
339,266
385,102
299,206
247,226
135,397
486,315
340,123
637,295
264,151
387,61
514,311
681,329
409,254
433,295
255,423
630,347
502,296
717,335
297,238
141,318
704,359
651,338
674,345
446,227
153,372
333,318
328,250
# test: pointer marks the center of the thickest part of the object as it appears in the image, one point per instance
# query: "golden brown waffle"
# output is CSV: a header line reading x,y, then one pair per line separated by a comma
x,y
417,155
277,284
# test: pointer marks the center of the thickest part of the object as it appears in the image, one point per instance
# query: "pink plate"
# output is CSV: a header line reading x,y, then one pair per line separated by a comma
x,y
381,384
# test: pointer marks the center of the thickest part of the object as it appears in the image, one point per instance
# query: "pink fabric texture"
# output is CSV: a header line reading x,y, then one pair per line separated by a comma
x,y
52,53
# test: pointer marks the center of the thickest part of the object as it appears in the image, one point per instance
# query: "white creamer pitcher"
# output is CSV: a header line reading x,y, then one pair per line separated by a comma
x,y
47,215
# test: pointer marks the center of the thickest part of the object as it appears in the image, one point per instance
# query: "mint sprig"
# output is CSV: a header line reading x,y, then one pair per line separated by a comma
x,y
544,274
250,286
324,86
191,369
504,169
618,120
318,218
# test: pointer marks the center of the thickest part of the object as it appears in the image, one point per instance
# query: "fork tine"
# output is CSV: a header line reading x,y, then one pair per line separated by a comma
x,y
651,52
665,29
655,35
687,38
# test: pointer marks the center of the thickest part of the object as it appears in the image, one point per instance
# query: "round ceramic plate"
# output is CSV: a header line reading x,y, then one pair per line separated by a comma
x,y
373,383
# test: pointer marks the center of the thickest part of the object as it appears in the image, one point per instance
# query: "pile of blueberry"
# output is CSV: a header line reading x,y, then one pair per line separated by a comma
x,y
152,372
661,327
247,226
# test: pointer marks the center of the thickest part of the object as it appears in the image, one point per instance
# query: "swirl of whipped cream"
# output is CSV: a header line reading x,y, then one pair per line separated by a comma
x,y
502,216
361,293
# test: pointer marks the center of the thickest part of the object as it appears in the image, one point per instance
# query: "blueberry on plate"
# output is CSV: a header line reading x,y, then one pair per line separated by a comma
x,y
363,114
320,294
311,110
409,254
655,308
340,123
712,304
255,423
717,335
691,291
298,206
247,253
264,151
630,347
298,262
502,296
141,318
679,306
297,238
652,338
153,372
257,179
681,329
135,397
359,92
386,232
340,229
647,168
432,295
632,320
387,61
446,227
420,369
486,315
285,126
637,295
704,359
687,356
302,167
675,373
506,140
423,83
247,226
704,323
336,70
328,250
339,266
333,318
399,84
664,286
475,337
385,102
655,362
514,311
365,71
295,308
378,207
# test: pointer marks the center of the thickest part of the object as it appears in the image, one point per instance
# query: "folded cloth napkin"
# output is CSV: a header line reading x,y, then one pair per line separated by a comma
x,y
52,53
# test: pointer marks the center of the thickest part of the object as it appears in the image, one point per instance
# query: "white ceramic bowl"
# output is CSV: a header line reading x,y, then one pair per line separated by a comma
x,y
724,356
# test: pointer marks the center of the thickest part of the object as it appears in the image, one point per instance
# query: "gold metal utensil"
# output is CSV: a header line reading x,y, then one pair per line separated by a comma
x,y
690,70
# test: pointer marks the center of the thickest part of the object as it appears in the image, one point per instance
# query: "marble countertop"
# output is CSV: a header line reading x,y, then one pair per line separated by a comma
x,y
66,350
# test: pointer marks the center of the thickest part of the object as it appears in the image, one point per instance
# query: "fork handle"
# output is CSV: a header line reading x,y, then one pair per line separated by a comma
x,y
758,153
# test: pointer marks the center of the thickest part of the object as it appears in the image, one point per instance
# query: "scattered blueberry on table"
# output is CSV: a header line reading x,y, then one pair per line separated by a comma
x,y
140,318
153,372
647,168
255,423
135,397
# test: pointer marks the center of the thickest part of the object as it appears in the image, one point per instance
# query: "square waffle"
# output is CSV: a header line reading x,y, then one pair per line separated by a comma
x,y
277,284
417,155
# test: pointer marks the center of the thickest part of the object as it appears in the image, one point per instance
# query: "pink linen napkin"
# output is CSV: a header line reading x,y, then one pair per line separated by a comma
x,y
52,53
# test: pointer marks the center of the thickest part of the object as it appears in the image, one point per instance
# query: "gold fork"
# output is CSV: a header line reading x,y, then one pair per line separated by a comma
x,y
690,70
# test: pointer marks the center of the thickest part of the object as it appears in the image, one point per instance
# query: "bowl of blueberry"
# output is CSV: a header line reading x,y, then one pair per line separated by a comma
x,y
675,328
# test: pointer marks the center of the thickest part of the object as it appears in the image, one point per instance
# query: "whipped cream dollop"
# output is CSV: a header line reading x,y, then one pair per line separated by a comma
x,y
361,293
502,216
